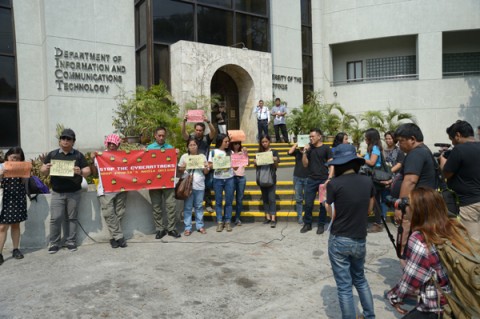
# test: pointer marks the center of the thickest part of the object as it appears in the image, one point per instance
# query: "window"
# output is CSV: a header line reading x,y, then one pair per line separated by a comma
x,y
219,3
161,62
9,130
252,31
252,6
215,26
391,67
461,63
307,59
172,21
354,71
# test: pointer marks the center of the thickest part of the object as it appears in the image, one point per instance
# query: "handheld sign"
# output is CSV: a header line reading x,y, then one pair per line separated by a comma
x,y
195,162
239,159
195,116
62,168
237,136
17,169
264,158
221,162
303,140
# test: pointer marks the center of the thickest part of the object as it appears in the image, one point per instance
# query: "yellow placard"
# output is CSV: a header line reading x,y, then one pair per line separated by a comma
x,y
221,162
17,169
264,158
62,168
195,162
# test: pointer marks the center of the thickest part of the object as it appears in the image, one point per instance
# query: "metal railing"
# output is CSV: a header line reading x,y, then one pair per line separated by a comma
x,y
401,77
460,73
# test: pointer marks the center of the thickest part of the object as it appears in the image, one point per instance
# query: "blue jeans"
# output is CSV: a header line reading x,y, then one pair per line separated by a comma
x,y
347,257
195,201
383,204
299,183
311,191
220,185
239,183
269,201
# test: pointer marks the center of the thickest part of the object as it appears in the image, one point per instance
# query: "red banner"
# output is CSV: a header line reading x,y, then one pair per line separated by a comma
x,y
134,170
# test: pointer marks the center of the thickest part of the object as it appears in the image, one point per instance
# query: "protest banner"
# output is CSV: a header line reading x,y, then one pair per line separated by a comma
x,y
62,168
303,140
221,162
239,159
264,158
236,135
138,169
17,169
195,116
195,162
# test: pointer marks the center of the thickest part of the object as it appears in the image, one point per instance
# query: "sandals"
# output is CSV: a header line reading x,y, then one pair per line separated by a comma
x,y
187,232
202,231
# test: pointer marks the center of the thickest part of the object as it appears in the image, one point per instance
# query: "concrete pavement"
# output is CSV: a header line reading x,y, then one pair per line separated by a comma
x,y
252,272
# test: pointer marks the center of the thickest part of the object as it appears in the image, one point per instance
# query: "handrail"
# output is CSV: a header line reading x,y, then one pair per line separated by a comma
x,y
377,79
461,73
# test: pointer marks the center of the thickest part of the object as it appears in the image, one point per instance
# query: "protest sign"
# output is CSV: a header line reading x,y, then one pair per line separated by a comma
x,y
303,140
264,158
237,136
221,162
138,169
195,161
17,169
195,116
239,159
62,168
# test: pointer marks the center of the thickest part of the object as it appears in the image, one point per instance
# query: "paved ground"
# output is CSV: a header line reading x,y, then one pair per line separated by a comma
x,y
253,272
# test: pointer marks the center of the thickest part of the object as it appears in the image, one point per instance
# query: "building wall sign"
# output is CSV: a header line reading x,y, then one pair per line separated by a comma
x,y
89,72
280,82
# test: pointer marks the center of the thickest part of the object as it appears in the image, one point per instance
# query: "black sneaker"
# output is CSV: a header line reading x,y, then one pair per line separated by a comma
x,y
160,234
267,221
174,234
17,254
305,228
1,259
53,249
320,229
72,247
114,243
273,224
122,242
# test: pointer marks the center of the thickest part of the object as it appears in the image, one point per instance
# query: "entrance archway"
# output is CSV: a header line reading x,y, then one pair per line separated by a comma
x,y
225,87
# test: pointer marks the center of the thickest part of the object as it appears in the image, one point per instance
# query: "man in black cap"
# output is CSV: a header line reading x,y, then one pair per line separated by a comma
x,y
349,199
65,191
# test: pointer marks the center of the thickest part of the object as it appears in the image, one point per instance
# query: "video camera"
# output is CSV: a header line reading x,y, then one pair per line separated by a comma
x,y
445,149
397,203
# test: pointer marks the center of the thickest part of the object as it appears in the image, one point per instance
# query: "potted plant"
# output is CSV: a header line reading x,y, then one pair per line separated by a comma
x,y
125,118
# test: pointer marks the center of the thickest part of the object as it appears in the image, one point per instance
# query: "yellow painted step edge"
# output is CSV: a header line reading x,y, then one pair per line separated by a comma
x,y
279,214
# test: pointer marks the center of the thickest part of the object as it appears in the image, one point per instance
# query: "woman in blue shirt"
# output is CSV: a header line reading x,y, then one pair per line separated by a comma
x,y
373,159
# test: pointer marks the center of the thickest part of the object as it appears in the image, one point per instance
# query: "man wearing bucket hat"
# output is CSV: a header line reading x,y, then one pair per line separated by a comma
x,y
349,199
112,204
65,191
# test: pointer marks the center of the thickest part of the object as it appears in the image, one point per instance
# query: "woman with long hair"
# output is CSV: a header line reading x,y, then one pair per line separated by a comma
x,y
239,180
373,158
430,226
196,198
268,192
222,181
340,138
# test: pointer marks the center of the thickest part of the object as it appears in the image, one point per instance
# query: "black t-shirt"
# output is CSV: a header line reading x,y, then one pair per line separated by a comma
x,y
351,195
464,163
317,157
299,170
66,184
419,161
203,144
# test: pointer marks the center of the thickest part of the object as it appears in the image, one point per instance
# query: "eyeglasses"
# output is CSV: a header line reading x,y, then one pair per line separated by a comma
x,y
66,138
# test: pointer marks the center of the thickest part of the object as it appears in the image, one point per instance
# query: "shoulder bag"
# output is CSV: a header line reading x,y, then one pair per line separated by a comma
x,y
382,173
184,187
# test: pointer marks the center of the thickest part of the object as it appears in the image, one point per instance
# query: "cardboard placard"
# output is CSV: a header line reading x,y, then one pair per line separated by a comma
x,y
303,140
195,162
239,159
62,168
221,162
264,158
195,116
237,136
17,169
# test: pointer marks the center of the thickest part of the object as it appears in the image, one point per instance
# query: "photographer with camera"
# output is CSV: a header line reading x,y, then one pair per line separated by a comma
x,y
461,168
418,169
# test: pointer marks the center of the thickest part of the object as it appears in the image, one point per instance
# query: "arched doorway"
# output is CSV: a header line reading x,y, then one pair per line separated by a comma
x,y
224,85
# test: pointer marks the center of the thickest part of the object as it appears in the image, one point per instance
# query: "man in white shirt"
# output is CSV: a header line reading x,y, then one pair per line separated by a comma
x,y
263,119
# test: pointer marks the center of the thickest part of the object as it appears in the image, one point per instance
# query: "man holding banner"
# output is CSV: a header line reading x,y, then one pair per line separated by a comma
x,y
66,166
162,196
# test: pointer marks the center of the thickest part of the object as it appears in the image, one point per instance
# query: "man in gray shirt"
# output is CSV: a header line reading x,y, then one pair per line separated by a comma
x,y
278,112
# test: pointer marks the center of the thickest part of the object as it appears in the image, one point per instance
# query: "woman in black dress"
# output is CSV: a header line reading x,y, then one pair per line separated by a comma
x,y
14,206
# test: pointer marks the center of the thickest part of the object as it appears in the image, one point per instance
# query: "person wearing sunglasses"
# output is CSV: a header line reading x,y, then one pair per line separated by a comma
x,y
66,191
